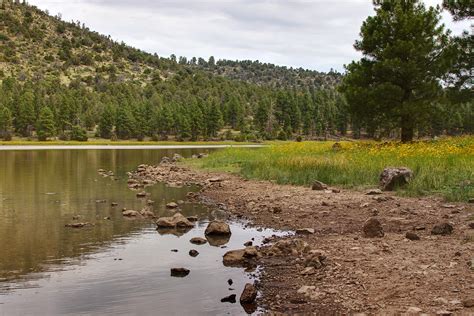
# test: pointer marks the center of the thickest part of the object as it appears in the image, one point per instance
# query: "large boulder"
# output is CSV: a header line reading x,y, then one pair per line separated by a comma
x,y
373,228
293,247
393,177
217,228
177,220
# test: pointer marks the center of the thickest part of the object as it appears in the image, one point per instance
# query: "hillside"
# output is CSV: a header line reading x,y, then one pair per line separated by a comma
x,y
60,79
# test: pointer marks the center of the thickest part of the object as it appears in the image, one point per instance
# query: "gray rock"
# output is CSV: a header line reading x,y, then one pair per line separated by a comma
x,y
412,236
305,231
179,272
177,220
172,205
393,177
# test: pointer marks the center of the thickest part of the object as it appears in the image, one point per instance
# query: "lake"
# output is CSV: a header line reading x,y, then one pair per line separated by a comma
x,y
117,266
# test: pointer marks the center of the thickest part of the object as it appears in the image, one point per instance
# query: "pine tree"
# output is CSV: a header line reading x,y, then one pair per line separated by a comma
x,y
214,119
45,125
106,123
124,126
405,53
25,116
5,122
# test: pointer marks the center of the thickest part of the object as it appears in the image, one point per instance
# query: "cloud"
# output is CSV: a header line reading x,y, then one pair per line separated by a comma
x,y
316,34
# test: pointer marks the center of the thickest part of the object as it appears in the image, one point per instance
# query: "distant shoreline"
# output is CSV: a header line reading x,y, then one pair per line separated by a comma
x,y
55,146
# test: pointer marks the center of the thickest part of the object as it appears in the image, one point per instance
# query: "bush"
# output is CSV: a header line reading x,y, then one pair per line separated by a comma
x,y
299,138
78,133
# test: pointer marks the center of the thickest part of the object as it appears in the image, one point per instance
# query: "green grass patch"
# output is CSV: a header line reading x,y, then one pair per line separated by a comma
x,y
443,167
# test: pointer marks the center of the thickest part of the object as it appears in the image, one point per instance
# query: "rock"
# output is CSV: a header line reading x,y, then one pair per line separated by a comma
x,y
214,180
165,160
174,250
305,231
240,257
334,190
177,157
141,194
319,186
249,294
248,243
373,192
448,206
217,228
412,236
147,213
192,218
276,209
315,259
373,228
177,220
113,204
444,313
471,200
101,201
130,213
306,289
78,225
468,302
198,240
414,310
229,299
393,177
201,155
172,205
471,225
179,272
308,271
150,202
193,253
230,282
442,229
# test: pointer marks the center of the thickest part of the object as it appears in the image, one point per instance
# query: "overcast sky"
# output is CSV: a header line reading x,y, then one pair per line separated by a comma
x,y
314,34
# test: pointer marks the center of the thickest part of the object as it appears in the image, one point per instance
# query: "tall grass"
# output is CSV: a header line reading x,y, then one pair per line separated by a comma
x,y
443,167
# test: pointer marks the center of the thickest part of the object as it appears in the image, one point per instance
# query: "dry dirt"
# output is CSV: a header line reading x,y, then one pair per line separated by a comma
x,y
387,275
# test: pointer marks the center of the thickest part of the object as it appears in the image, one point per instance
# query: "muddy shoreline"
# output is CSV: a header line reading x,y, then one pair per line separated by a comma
x,y
386,275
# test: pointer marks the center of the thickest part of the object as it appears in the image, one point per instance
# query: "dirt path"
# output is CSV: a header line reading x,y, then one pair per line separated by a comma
x,y
387,275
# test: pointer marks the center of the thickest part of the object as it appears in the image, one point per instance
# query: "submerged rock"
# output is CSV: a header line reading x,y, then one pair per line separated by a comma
x,y
249,294
198,240
393,177
179,272
130,213
177,220
217,228
373,228
229,299
78,225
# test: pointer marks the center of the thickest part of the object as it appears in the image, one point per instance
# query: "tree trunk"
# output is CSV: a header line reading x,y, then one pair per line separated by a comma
x,y
407,128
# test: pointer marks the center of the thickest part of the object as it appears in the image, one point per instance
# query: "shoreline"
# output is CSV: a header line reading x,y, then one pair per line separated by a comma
x,y
388,275
119,146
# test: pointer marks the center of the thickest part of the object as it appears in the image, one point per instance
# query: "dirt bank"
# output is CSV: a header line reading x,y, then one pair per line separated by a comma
x,y
386,275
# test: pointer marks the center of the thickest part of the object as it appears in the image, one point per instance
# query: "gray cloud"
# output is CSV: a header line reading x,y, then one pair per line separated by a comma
x,y
316,34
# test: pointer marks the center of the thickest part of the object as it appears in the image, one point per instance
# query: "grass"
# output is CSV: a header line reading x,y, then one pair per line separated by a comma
x,y
442,167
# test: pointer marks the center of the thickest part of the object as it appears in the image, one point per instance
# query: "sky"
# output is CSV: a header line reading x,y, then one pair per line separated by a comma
x,y
313,34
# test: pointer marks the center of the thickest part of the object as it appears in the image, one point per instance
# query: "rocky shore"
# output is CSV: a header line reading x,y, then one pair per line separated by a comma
x,y
352,252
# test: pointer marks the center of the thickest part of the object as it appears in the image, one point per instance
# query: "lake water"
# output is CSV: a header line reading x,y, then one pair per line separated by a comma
x,y
117,266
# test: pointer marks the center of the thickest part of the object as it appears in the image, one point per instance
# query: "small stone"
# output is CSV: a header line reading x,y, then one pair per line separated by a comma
x,y
448,205
172,205
308,271
276,209
248,243
471,200
130,213
113,204
471,225
319,186
305,231
442,229
334,190
373,228
444,313
249,294
373,192
193,253
230,282
468,302
179,272
198,240
414,310
213,180
174,250
393,177
412,236
141,194
229,299
324,203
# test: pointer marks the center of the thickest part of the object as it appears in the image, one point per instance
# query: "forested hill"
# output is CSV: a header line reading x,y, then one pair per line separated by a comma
x,y
60,79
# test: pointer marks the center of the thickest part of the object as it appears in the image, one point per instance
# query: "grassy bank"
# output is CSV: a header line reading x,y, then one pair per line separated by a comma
x,y
443,167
